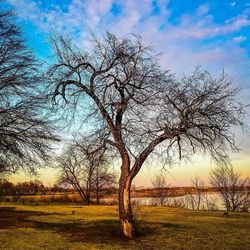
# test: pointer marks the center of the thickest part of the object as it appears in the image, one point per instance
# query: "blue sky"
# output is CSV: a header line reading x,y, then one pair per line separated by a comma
x,y
213,34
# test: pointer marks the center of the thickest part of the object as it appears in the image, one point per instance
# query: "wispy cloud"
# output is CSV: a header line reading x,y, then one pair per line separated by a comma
x,y
191,40
204,28
239,39
81,15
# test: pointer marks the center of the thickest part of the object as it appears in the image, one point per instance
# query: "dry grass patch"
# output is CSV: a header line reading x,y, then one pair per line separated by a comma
x,y
97,227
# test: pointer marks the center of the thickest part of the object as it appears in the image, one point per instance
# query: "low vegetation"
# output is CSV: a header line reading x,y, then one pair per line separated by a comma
x,y
96,227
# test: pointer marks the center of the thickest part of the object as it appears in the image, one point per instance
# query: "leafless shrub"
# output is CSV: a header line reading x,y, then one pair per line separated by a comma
x,y
161,192
234,190
196,194
210,203
178,202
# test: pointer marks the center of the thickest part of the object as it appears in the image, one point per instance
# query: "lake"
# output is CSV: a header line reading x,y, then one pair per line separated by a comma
x,y
209,201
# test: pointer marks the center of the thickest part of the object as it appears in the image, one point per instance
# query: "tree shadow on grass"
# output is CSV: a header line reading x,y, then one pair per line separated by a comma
x,y
100,231
105,231
97,231
11,218
153,228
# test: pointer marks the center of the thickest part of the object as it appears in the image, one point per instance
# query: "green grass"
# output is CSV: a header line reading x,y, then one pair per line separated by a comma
x,y
97,227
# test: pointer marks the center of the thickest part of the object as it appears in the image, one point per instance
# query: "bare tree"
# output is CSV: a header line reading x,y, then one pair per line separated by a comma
x,y
84,167
234,190
161,192
210,203
25,130
76,171
104,180
141,110
196,194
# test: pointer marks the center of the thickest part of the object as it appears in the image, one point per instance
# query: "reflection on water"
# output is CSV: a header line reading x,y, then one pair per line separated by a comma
x,y
208,201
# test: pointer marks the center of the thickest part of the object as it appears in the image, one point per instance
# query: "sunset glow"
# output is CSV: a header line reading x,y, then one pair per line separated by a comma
x,y
212,34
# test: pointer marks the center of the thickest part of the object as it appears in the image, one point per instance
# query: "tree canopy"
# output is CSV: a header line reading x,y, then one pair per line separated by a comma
x,y
138,108
25,131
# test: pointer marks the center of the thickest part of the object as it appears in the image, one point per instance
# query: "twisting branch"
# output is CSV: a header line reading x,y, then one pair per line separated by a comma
x,y
141,109
26,132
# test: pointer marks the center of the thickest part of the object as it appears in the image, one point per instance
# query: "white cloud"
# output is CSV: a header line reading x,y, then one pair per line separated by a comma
x,y
201,29
239,39
95,15
132,13
180,42
79,15
203,9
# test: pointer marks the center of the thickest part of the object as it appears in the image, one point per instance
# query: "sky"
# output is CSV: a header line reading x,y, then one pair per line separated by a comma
x,y
212,34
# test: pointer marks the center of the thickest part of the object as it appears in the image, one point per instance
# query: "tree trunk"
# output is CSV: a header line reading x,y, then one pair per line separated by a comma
x,y
125,210
97,196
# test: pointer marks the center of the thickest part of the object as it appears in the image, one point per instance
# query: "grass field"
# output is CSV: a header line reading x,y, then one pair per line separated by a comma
x,y
96,227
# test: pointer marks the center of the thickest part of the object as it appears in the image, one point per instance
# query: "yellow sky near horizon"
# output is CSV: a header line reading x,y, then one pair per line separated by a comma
x,y
178,175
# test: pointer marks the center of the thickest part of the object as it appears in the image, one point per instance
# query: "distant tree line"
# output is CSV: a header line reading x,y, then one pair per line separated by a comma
x,y
32,187
36,187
